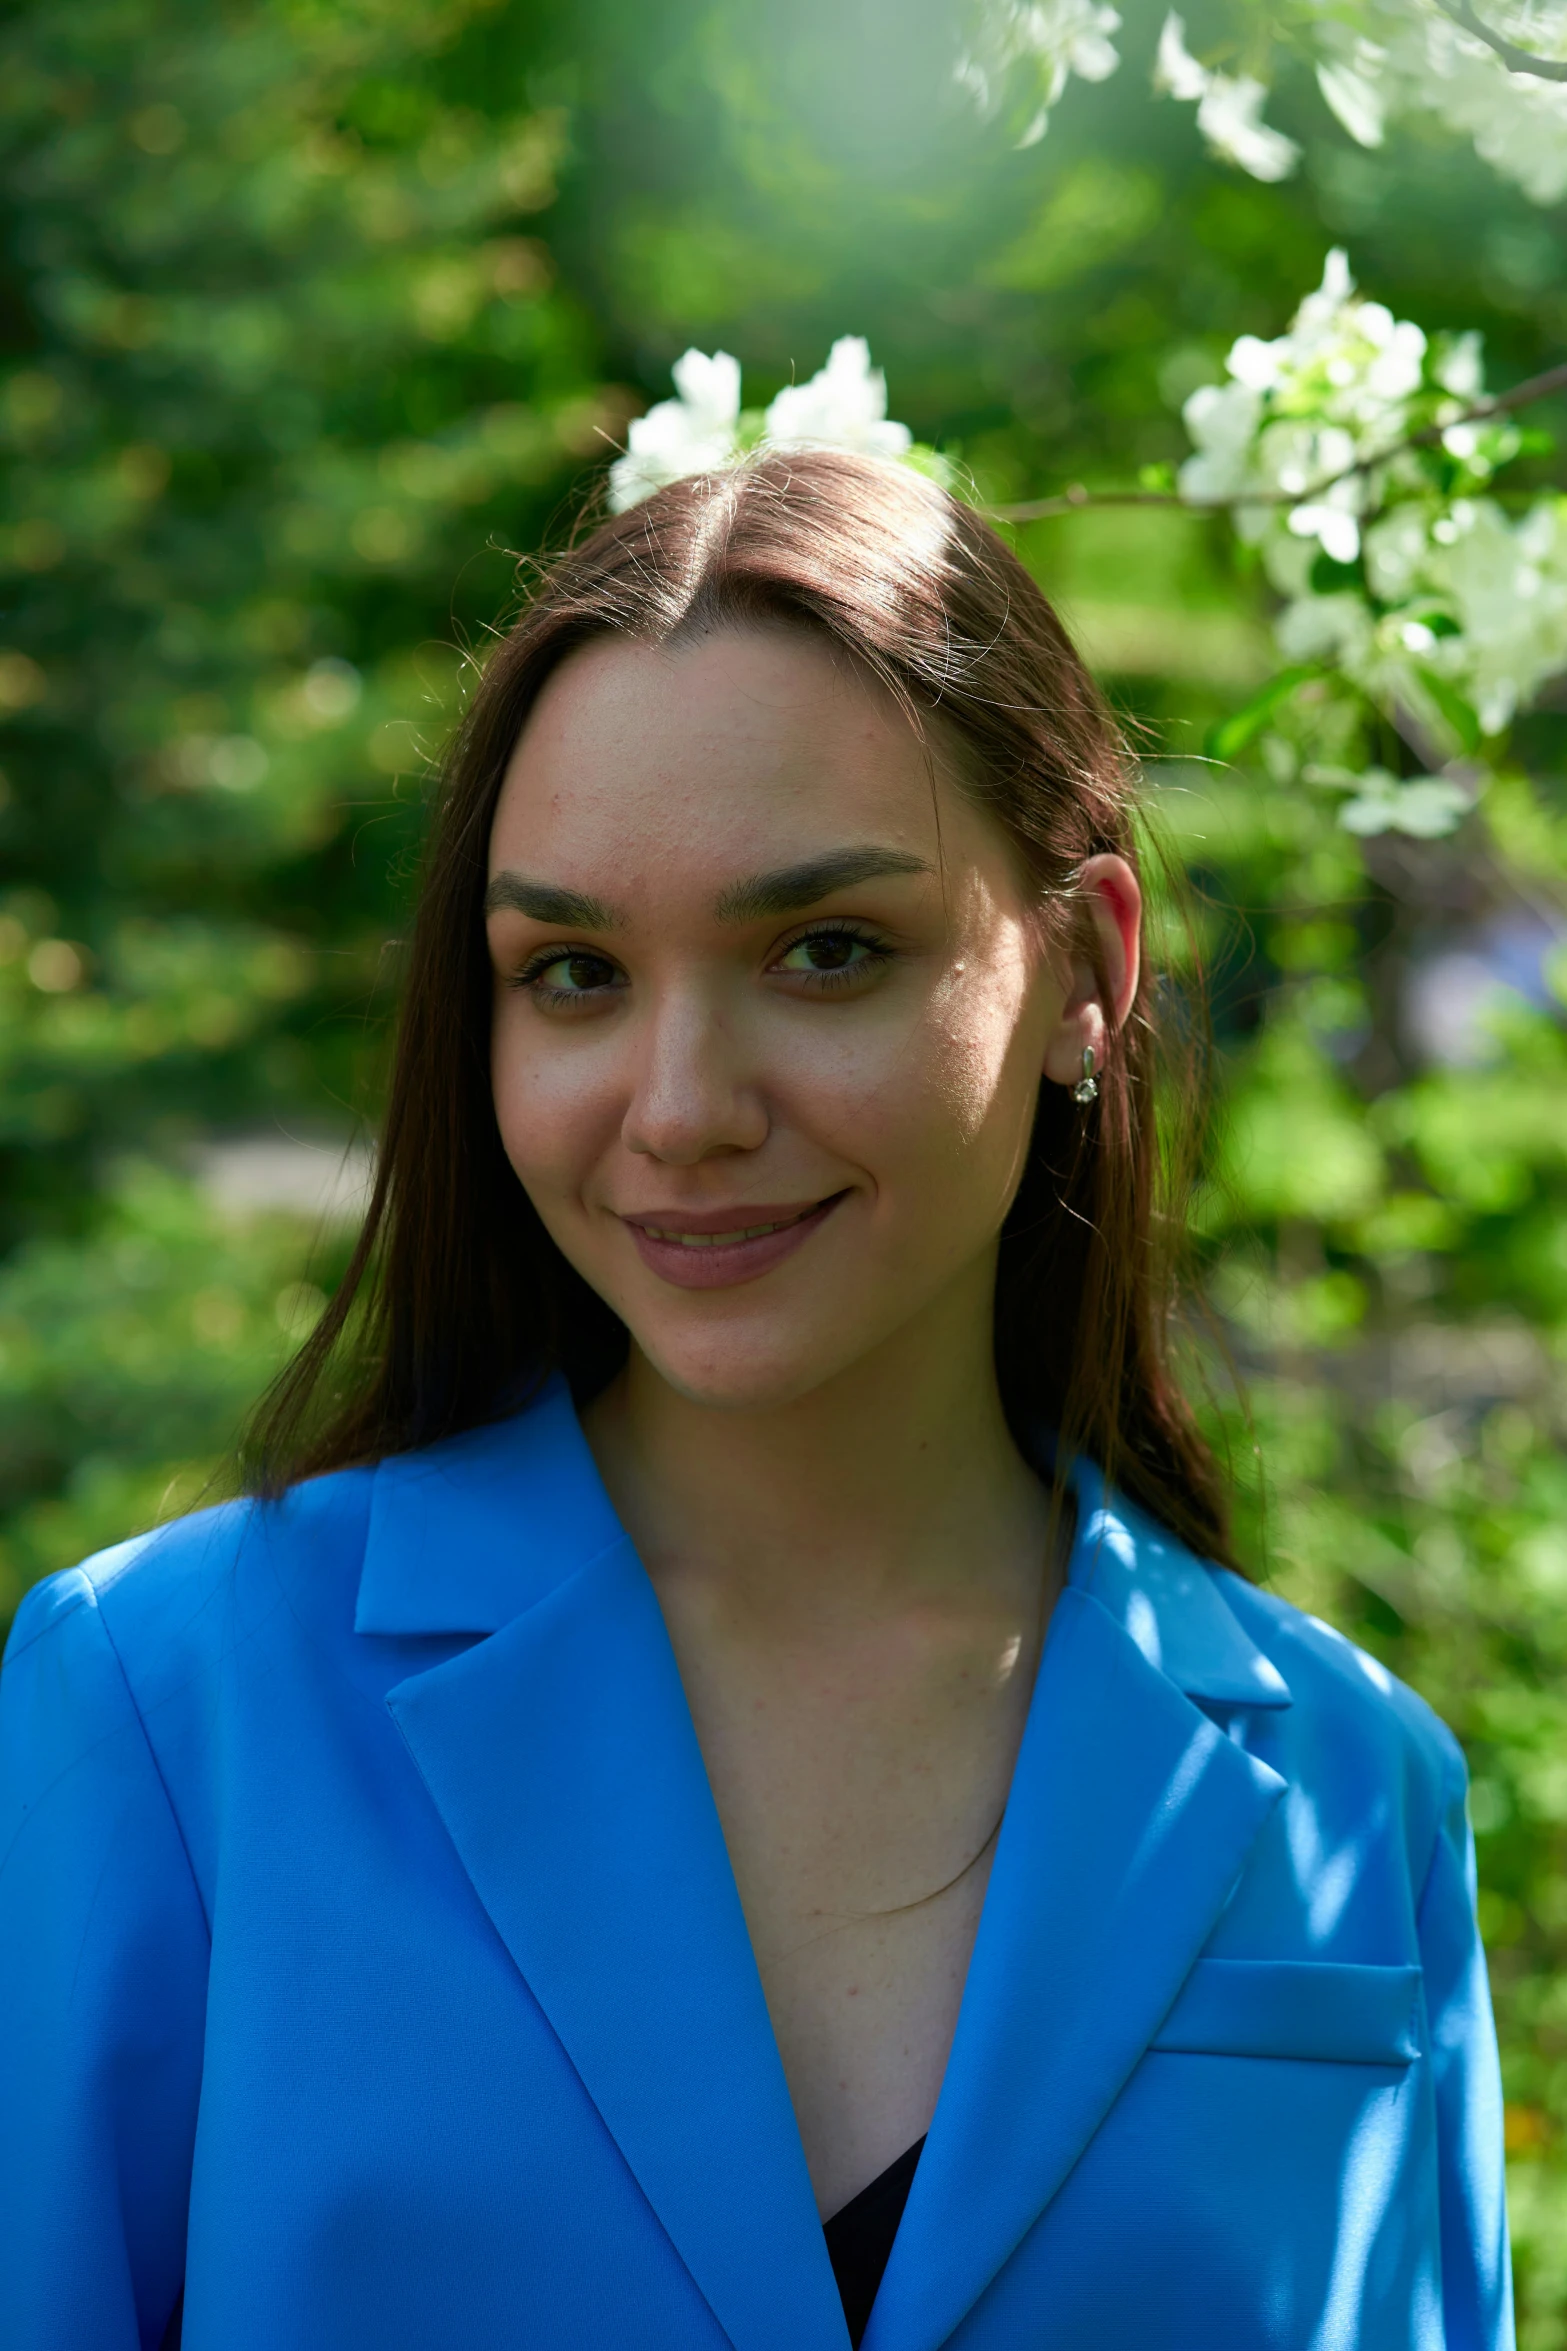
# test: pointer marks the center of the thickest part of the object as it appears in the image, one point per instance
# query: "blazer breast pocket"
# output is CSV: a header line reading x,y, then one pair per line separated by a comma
x,y
1328,2011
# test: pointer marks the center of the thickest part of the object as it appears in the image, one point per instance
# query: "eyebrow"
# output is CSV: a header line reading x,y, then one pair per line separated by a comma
x,y
783,891
792,887
567,909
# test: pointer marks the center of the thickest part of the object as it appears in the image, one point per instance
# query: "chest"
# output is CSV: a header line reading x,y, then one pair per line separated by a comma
x,y
860,1813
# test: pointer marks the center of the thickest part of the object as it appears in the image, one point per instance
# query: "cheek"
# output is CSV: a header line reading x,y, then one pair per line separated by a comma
x,y
948,1104
554,1108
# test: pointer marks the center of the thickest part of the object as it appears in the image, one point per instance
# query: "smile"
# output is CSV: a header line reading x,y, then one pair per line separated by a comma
x,y
747,1232
714,1249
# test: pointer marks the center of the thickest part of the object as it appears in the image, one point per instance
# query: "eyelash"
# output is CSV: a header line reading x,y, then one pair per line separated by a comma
x,y
531,977
878,953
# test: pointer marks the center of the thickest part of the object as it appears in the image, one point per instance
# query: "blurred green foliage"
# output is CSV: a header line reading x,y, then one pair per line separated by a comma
x,y
313,311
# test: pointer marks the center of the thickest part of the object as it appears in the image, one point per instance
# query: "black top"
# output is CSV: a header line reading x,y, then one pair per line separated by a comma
x,y
859,2238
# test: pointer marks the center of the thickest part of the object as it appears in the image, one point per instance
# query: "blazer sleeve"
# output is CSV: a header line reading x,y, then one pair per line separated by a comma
x,y
1477,2300
103,1968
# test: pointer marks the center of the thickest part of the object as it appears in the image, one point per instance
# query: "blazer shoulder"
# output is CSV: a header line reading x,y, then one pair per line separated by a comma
x,y
165,1597
1347,1705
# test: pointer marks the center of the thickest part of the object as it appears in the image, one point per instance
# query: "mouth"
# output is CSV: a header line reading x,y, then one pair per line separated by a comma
x,y
711,1249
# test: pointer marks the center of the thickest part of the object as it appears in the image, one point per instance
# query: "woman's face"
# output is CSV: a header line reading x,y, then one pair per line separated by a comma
x,y
771,1014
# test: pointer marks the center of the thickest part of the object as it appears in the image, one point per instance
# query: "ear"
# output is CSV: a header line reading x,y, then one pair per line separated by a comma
x,y
1102,986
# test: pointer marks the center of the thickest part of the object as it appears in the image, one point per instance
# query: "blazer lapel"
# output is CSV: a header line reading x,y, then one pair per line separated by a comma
x,y
561,1757
1131,1817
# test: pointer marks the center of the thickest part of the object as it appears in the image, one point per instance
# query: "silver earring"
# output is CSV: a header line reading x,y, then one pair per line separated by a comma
x,y
1087,1088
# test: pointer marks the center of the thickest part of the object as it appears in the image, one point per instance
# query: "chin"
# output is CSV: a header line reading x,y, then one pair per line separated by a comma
x,y
753,1372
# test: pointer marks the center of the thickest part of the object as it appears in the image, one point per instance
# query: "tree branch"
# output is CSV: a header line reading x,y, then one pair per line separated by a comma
x,y
1516,60
1076,496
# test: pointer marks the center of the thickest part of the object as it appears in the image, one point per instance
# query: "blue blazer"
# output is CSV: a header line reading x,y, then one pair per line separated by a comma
x,y
371,1967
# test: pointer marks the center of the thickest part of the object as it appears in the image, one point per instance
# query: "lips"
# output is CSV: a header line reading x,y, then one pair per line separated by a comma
x,y
711,1249
696,1237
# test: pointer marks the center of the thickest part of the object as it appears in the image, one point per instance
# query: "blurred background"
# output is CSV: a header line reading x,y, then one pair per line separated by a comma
x,y
317,315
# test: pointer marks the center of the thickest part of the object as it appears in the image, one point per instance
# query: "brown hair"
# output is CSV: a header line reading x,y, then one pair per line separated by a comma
x,y
457,1305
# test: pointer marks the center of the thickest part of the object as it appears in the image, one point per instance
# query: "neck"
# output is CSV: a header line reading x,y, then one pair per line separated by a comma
x,y
897,1484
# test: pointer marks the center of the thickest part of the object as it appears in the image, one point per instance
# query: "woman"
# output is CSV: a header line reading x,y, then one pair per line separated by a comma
x,y
687,1746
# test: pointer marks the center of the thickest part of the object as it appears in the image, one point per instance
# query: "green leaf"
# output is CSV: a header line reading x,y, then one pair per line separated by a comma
x,y
1329,578
1230,737
1440,623
1460,715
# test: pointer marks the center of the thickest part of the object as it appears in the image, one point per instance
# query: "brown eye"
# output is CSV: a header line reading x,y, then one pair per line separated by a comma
x,y
833,954
560,975
583,971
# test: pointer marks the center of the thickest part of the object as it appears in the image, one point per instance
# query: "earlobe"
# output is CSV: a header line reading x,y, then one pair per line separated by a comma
x,y
1082,1031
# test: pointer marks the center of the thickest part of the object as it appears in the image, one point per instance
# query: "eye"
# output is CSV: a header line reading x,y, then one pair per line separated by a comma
x,y
834,956
569,976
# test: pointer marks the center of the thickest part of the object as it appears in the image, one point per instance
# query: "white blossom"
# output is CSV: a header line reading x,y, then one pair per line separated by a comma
x,y
1398,546
1458,368
1354,96
1517,121
1459,615
1375,61
1230,119
1336,629
1424,807
1046,41
1222,419
1505,585
1470,600
1333,527
697,432
1424,67
1229,108
1301,414
1175,69
844,406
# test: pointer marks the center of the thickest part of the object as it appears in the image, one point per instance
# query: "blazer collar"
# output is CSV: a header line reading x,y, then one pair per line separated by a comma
x,y
1166,1601
466,1535
469,1534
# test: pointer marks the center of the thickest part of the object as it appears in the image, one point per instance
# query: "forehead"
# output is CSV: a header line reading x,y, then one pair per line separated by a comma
x,y
728,751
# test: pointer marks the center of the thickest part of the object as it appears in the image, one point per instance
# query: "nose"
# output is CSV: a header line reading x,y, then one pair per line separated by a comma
x,y
693,1099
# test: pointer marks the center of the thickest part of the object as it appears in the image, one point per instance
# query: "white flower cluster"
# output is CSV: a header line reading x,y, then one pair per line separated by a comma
x,y
1432,604
1375,60
1039,44
1036,45
844,406
1424,807
1460,598
1229,108
1300,412
1396,59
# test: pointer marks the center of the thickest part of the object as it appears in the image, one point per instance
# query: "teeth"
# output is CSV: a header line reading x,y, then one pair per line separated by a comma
x,y
753,1232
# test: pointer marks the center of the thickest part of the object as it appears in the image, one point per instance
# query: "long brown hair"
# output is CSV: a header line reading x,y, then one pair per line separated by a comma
x,y
457,1305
